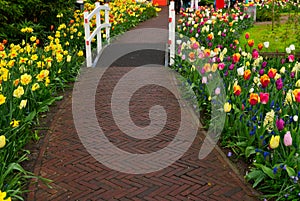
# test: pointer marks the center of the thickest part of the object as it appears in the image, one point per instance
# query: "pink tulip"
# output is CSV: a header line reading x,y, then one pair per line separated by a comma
x,y
264,98
287,139
255,54
221,66
291,58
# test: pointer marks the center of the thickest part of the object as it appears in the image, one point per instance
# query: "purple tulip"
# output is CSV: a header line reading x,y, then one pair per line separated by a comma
x,y
279,84
209,44
218,60
261,71
264,64
280,124
228,58
282,61
202,71
231,67
292,74
223,34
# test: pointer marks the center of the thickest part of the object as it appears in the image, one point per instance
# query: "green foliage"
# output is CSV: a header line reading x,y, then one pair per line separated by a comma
x,y
281,37
41,13
265,14
206,2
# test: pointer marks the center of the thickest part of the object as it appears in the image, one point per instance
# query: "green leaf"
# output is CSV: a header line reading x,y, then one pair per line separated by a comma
x,y
31,116
254,174
11,167
290,171
268,171
236,110
249,151
45,108
241,144
258,180
257,176
50,101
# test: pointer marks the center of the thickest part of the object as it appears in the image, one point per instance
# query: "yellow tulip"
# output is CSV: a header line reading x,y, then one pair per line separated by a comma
x,y
2,141
2,99
274,142
18,92
227,107
23,104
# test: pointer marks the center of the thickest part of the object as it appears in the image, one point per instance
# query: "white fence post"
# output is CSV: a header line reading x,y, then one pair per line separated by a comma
x,y
107,29
171,41
98,24
88,50
192,5
196,4
90,36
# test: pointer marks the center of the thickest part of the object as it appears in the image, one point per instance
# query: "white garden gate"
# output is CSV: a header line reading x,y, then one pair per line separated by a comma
x,y
99,26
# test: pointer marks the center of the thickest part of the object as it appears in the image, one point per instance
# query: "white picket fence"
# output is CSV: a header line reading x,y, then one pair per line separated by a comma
x,y
99,26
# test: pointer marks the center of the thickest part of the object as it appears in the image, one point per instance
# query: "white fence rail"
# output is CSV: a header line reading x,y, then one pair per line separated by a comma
x,y
99,26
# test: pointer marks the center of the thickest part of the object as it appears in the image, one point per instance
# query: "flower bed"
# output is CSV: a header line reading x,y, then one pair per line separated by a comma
x,y
262,96
31,76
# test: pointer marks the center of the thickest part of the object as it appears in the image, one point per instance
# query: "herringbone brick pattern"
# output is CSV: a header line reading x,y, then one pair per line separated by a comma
x,y
77,175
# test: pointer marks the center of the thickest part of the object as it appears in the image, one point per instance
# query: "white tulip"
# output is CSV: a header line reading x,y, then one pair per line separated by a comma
x,y
292,47
267,44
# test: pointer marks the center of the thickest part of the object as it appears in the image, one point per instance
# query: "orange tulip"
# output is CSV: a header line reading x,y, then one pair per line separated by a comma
x,y
247,74
260,46
264,80
254,99
251,42
236,57
237,90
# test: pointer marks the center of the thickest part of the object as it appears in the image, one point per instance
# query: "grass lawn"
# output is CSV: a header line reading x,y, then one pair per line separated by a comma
x,y
281,37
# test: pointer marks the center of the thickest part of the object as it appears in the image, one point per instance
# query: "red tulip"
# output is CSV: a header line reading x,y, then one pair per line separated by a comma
x,y
247,35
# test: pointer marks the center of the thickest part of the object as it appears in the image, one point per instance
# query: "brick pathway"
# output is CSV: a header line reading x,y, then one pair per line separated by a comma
x,y
77,175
